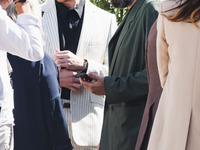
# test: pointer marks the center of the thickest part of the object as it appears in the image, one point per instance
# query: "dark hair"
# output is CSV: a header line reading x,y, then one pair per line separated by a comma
x,y
189,11
11,12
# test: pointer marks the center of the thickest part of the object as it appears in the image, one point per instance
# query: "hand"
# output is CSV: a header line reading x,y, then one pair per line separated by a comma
x,y
96,87
23,7
69,61
5,3
68,79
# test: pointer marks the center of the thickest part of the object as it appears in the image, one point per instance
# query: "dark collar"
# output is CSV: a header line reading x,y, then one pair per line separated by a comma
x,y
79,8
63,10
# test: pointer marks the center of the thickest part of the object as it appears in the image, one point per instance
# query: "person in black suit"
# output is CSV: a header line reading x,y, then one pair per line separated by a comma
x,y
39,118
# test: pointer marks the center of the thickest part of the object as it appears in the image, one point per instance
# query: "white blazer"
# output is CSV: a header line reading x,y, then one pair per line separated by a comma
x,y
97,30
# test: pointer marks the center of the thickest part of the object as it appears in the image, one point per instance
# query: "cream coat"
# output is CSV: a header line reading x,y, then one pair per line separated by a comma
x,y
177,122
98,27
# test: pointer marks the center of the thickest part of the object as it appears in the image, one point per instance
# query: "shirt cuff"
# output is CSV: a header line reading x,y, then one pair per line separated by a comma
x,y
27,19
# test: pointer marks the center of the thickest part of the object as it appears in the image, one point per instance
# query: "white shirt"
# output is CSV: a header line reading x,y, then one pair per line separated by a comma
x,y
22,39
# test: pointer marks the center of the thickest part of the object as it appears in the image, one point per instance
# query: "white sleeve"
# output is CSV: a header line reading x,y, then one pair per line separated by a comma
x,y
22,39
102,69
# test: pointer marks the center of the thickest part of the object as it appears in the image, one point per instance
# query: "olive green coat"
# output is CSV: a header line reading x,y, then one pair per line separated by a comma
x,y
126,86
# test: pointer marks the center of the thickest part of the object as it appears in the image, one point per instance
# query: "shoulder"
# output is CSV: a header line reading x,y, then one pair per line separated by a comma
x,y
47,6
168,5
151,5
149,10
97,10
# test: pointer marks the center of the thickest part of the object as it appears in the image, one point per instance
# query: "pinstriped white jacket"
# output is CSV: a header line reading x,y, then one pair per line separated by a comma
x,y
97,29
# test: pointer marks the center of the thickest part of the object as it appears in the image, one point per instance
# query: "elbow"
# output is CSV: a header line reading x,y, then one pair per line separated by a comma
x,y
39,55
36,55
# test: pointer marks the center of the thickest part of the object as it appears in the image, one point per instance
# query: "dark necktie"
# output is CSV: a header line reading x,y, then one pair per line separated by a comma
x,y
73,19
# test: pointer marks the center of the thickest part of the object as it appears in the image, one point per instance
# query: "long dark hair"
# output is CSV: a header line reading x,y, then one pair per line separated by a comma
x,y
189,11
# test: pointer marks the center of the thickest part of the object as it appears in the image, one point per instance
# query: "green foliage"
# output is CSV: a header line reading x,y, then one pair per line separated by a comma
x,y
105,4
41,1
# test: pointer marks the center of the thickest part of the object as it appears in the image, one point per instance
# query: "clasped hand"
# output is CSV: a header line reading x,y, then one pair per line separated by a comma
x,y
69,64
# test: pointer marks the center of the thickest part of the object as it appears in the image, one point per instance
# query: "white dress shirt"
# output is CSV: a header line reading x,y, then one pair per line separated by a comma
x,y
22,39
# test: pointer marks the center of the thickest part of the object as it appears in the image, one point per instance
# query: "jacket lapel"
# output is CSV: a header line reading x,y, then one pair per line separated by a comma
x,y
121,33
87,28
50,26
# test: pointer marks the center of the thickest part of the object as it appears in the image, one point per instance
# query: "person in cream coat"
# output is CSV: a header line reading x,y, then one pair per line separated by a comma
x,y
85,115
176,125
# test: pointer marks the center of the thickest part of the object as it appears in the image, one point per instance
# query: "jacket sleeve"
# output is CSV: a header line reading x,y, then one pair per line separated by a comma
x,y
54,115
126,89
24,39
162,51
102,69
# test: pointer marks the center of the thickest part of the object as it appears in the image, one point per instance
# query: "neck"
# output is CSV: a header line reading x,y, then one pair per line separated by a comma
x,y
72,4
131,5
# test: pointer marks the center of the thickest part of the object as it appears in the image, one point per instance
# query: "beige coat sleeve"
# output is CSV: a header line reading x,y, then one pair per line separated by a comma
x,y
162,51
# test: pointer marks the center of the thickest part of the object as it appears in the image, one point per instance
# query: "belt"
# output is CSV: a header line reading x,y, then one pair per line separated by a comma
x,y
66,103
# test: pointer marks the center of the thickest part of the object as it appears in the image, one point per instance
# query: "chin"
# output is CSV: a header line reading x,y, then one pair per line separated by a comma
x,y
121,3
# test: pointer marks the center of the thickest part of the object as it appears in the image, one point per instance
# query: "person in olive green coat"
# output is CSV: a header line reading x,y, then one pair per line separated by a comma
x,y
126,87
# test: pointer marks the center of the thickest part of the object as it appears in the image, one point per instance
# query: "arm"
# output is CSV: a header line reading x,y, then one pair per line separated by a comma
x,y
130,87
24,39
126,89
119,89
70,61
102,68
74,64
162,51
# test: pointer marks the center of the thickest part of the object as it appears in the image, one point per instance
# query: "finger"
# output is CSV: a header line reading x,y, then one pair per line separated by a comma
x,y
63,52
57,50
76,80
76,85
75,90
62,61
84,83
55,58
93,75
59,68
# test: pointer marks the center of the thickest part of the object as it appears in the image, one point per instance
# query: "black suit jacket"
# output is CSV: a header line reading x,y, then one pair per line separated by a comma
x,y
39,118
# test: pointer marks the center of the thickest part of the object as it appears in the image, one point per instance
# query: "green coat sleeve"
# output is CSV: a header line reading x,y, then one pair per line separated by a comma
x,y
126,89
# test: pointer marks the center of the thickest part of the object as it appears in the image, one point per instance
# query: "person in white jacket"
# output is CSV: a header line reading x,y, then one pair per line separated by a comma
x,y
24,40
81,31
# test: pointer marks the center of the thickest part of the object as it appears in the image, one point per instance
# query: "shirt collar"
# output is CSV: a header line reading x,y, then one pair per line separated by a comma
x,y
79,8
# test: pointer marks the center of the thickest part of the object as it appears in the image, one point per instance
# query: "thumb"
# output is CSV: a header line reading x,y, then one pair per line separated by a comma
x,y
93,75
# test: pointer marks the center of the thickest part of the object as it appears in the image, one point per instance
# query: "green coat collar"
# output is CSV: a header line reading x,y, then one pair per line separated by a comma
x,y
120,34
